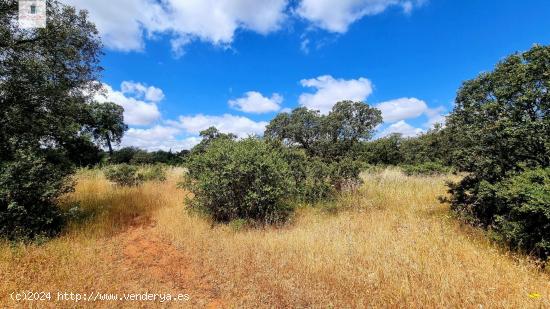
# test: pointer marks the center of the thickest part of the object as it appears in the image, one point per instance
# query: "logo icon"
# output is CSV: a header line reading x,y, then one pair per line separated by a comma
x,y
32,14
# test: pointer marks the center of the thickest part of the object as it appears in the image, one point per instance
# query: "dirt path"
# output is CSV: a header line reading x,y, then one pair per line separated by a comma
x,y
157,263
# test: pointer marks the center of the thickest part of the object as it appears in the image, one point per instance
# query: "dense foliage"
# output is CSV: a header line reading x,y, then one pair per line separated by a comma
x,y
305,157
134,155
500,128
246,179
316,180
128,175
47,79
429,147
426,168
124,175
522,214
331,136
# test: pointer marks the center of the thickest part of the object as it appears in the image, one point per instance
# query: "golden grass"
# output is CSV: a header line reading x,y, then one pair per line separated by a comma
x,y
87,257
399,249
394,245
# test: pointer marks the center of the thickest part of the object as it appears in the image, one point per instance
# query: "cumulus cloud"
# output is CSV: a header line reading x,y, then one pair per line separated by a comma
x,y
124,24
402,128
136,111
227,123
337,15
140,90
330,90
255,102
403,108
158,138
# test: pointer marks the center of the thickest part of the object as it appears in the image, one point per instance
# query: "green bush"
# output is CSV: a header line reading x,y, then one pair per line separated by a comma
x,y
29,188
426,168
156,172
523,211
499,128
344,174
317,180
318,184
124,175
247,179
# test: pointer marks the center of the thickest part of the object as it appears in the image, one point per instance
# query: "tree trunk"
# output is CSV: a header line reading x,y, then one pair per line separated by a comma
x,y
109,144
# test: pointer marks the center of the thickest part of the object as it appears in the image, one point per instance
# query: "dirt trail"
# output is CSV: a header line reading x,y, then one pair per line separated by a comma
x,y
148,257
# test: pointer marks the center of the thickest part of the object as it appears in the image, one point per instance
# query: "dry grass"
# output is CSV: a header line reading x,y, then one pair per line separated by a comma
x,y
399,248
394,245
89,256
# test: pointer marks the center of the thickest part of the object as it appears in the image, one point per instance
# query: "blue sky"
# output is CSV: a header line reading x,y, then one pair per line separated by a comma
x,y
179,66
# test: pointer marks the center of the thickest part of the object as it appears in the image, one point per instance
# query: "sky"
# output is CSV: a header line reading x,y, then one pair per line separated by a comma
x,y
181,66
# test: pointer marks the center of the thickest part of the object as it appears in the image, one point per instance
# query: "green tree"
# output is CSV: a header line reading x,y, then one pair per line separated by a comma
x,y
331,136
108,125
431,146
47,78
303,127
208,136
386,150
500,128
124,155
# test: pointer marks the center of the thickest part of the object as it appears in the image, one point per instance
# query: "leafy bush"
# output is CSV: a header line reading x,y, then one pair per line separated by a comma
x,y
426,168
247,179
29,188
500,128
318,184
345,174
317,180
523,211
156,172
124,175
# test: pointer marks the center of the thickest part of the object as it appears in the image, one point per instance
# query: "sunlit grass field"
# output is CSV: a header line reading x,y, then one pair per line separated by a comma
x,y
390,244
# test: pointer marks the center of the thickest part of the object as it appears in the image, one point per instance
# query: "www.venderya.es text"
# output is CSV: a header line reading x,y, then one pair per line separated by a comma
x,y
93,296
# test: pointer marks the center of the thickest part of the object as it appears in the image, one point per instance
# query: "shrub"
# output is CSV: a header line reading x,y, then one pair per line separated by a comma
x,y
523,213
500,128
156,172
247,179
29,188
317,180
318,183
124,175
345,174
426,168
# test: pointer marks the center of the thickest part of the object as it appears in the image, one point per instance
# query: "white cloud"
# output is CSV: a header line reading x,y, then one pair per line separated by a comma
x,y
255,102
435,116
136,111
140,90
337,15
403,108
403,128
123,24
304,45
238,125
158,138
330,90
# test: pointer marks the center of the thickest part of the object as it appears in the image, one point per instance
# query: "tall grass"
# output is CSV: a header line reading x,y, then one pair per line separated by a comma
x,y
89,255
395,245
391,244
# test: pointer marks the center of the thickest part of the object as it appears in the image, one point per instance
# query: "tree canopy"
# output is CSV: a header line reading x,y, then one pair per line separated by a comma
x,y
48,77
500,135
331,135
